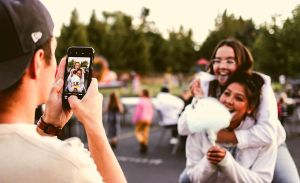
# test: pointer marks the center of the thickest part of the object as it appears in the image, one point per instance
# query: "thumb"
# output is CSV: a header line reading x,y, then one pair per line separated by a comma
x,y
74,102
57,86
61,69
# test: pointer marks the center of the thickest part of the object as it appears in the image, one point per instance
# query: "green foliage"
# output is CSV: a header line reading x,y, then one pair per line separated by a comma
x,y
127,47
143,49
71,63
276,48
229,26
85,63
291,42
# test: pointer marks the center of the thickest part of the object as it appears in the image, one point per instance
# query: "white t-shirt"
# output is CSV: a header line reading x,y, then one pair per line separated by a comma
x,y
26,156
170,107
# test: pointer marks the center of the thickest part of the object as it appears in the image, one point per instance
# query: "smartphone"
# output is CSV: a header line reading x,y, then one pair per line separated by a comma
x,y
78,72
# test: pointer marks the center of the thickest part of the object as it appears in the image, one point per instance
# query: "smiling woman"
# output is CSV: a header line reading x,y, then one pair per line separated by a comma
x,y
267,126
241,97
238,165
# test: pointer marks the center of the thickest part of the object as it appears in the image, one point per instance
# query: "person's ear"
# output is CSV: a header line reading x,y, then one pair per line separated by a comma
x,y
249,110
37,64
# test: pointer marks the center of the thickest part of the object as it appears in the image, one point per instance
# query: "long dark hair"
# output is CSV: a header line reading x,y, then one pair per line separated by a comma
x,y
113,102
252,84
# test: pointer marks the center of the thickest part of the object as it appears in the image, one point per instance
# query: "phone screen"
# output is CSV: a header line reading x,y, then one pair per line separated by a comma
x,y
78,74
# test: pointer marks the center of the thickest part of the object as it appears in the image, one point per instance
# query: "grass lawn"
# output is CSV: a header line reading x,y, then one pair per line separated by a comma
x,y
153,84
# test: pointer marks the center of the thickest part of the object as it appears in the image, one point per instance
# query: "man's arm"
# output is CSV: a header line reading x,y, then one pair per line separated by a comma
x,y
89,112
102,154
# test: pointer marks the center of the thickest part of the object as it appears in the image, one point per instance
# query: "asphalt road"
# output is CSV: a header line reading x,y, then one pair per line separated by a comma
x,y
159,165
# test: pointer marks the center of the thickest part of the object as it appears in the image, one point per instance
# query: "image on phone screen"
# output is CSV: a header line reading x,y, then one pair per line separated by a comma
x,y
77,74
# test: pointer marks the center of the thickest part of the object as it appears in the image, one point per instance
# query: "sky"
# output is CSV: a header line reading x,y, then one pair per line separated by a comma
x,y
168,15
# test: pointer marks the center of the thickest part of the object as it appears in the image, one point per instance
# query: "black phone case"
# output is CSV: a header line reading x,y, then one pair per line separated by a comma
x,y
77,51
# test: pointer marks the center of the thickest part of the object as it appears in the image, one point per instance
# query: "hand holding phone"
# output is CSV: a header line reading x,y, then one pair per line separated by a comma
x,y
78,72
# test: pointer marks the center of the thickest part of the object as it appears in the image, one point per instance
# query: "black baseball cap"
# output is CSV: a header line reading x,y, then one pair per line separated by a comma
x,y
25,26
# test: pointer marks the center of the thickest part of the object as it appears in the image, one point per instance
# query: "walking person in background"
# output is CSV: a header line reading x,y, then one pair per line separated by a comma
x,y
169,106
114,108
282,110
142,119
231,57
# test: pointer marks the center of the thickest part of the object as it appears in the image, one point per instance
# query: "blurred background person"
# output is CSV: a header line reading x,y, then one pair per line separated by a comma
x,y
282,110
114,108
142,119
169,106
102,72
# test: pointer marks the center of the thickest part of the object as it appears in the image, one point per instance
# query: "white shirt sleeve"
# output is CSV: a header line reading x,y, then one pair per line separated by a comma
x,y
268,126
182,122
205,79
199,169
262,169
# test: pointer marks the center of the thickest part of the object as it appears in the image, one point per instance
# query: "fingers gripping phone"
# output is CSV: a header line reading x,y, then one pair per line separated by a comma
x,y
78,72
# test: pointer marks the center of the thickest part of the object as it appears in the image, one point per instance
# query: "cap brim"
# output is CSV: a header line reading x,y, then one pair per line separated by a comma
x,y
12,70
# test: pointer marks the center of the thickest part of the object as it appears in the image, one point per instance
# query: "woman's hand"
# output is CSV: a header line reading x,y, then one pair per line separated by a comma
x,y
216,154
196,89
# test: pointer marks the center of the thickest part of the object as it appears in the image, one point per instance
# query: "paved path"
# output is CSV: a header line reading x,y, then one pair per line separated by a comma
x,y
159,165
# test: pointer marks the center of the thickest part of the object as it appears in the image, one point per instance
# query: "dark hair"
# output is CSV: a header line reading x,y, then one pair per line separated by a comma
x,y
165,89
113,102
145,93
252,84
243,56
77,63
47,50
78,70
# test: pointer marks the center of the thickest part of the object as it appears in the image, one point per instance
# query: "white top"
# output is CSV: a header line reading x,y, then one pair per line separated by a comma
x,y
170,107
249,165
75,83
26,156
267,126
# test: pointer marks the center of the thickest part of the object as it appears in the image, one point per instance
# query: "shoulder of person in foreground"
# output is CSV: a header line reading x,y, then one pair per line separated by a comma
x,y
66,158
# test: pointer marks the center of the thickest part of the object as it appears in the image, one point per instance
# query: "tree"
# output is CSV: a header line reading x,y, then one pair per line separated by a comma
x,y
228,26
182,55
291,42
74,34
96,32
